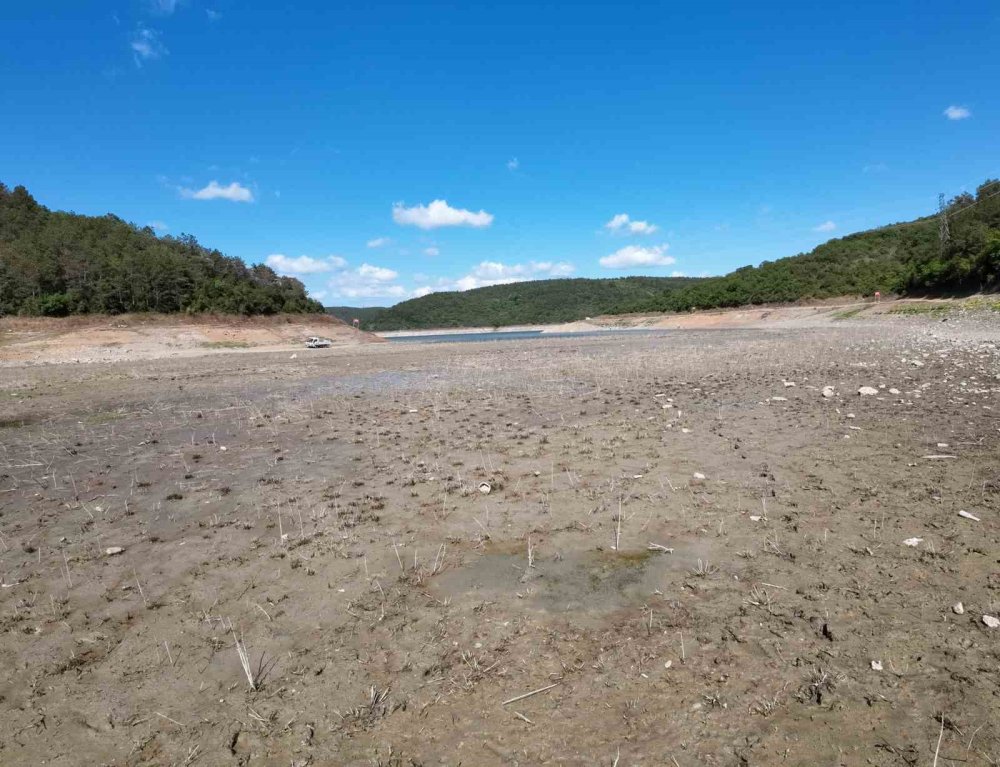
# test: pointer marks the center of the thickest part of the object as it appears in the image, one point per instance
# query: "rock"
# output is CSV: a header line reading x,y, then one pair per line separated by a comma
x,y
294,357
779,399
485,488
913,541
991,621
828,392
788,384
958,608
867,391
966,515
876,665
112,551
894,391
699,475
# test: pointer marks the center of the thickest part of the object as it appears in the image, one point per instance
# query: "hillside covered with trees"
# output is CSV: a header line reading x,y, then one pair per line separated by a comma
x,y
536,302
54,263
905,258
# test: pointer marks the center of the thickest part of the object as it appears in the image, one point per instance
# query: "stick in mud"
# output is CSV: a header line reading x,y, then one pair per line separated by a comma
x,y
529,694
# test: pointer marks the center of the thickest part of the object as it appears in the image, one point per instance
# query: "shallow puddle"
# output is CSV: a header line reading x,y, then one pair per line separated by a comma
x,y
582,582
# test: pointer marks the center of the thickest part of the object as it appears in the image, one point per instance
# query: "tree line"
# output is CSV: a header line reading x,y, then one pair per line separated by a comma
x,y
906,258
54,263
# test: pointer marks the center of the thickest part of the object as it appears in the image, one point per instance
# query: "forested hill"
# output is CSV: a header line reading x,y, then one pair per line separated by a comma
x,y
54,263
519,303
902,258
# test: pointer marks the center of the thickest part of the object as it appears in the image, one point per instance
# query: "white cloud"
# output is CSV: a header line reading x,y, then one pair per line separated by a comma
x,y
377,273
432,252
164,7
366,281
378,242
146,45
513,164
877,167
634,255
158,226
487,273
826,226
622,223
212,15
234,193
438,213
957,113
303,264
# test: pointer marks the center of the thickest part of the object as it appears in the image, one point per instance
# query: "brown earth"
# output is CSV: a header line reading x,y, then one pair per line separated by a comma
x,y
323,514
45,340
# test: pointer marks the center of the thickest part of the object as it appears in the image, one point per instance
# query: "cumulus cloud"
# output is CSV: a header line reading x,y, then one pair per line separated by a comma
x,y
635,255
826,226
622,223
438,213
366,281
513,164
164,7
487,273
957,113
212,15
432,252
146,45
303,264
214,191
377,273
378,242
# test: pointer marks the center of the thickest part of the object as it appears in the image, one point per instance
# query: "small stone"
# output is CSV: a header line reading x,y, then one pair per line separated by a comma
x,y
828,392
699,475
876,665
867,391
112,551
894,391
485,488
991,621
958,608
913,541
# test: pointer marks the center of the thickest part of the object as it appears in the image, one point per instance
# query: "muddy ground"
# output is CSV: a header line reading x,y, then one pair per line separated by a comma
x,y
687,552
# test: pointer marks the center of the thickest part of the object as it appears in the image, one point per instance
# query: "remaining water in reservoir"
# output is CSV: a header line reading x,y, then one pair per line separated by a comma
x,y
510,335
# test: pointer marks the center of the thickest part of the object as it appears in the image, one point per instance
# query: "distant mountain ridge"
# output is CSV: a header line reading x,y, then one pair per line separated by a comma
x,y
517,303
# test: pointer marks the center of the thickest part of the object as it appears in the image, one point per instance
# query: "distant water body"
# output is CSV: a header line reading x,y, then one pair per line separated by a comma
x,y
511,335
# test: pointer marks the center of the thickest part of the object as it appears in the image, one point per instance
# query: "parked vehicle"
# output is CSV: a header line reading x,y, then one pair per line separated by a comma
x,y
315,342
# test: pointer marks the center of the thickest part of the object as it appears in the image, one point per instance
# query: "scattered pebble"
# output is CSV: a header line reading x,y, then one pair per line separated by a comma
x,y
958,608
867,391
485,488
699,475
991,621
112,551
828,391
913,541
963,513
876,665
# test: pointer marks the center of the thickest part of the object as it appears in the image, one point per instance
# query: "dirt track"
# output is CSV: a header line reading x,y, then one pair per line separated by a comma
x,y
325,512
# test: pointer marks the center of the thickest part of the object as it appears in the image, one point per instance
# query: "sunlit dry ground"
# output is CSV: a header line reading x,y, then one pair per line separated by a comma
x,y
687,553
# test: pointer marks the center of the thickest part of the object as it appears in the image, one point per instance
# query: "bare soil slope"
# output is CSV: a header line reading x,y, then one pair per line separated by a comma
x,y
133,337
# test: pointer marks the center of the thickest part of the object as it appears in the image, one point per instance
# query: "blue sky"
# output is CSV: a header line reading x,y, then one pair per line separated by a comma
x,y
383,150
